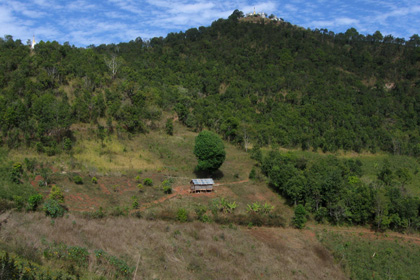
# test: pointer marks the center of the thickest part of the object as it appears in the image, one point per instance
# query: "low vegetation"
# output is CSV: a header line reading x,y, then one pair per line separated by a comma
x,y
372,258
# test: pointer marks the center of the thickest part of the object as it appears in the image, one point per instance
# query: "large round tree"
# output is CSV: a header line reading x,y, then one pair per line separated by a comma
x,y
209,150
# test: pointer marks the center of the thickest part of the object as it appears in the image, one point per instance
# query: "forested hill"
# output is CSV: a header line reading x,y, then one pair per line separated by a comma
x,y
262,82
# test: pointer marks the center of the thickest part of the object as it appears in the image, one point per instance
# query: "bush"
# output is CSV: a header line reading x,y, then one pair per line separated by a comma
x,y
57,194
16,173
53,209
182,215
148,182
140,187
169,127
94,180
78,180
34,201
135,202
201,210
252,174
167,188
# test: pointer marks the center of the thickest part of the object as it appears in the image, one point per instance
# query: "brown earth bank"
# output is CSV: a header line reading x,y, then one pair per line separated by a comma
x,y
169,250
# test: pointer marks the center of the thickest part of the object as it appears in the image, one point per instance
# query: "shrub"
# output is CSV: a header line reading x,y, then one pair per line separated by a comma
x,y
148,182
138,179
201,210
94,180
16,172
67,144
78,180
182,215
57,194
169,127
252,174
135,202
140,187
53,209
167,188
34,201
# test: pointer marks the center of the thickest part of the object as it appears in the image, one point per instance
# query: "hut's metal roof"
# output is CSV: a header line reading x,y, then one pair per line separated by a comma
x,y
203,181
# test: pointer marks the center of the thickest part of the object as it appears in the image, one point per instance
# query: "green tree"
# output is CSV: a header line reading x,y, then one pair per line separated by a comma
x,y
209,150
169,127
299,219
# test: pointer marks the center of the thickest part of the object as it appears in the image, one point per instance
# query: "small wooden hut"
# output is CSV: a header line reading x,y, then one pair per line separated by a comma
x,y
201,185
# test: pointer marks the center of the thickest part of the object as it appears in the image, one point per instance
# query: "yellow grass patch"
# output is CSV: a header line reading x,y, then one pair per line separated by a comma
x,y
114,156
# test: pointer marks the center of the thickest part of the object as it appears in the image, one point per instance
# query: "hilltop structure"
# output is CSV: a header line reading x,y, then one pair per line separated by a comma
x,y
263,15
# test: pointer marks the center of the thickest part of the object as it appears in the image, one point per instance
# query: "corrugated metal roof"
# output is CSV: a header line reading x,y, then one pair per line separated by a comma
x,y
208,181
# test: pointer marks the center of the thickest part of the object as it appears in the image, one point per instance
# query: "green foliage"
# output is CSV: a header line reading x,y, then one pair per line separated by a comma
x,y
30,164
312,82
140,187
45,173
53,209
252,174
257,207
120,267
14,267
182,215
224,205
67,144
16,172
134,202
209,150
94,180
169,127
148,182
167,187
78,180
19,202
299,219
34,201
56,194
366,258
201,210
77,255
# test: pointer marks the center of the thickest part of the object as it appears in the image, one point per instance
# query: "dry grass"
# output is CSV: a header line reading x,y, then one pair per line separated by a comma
x,y
187,251
113,156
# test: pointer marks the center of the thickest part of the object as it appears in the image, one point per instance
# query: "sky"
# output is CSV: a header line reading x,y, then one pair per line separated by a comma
x,y
87,22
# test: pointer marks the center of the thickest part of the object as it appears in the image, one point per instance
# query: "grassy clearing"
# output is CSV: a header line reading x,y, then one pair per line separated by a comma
x,y
364,258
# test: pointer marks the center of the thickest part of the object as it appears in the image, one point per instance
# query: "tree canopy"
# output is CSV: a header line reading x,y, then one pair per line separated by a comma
x,y
209,150
262,82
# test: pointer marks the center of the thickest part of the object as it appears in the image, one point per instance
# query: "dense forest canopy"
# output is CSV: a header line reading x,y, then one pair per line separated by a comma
x,y
261,82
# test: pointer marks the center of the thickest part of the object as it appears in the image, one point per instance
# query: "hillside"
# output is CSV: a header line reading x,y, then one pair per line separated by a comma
x,y
269,83
97,154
